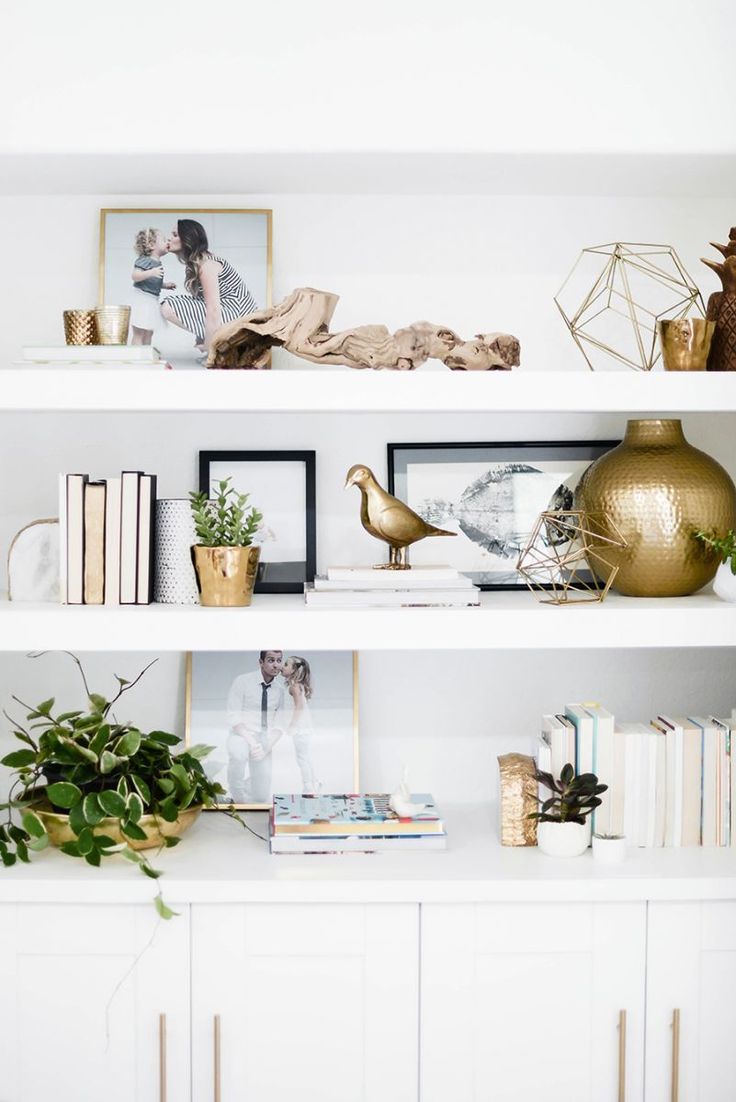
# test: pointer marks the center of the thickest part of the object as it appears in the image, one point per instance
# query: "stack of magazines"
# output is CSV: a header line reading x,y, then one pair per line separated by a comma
x,y
353,824
368,587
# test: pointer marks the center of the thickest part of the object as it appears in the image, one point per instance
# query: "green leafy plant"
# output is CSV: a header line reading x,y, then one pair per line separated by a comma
x,y
224,520
574,796
87,765
725,548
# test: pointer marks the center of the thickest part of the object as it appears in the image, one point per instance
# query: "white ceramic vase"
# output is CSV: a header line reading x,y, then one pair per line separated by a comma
x,y
608,851
724,583
175,581
562,839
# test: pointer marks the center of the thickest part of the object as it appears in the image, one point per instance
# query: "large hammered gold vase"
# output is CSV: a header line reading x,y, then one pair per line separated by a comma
x,y
659,491
225,575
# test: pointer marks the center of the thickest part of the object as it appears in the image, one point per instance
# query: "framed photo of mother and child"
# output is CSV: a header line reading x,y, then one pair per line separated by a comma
x,y
278,722
184,274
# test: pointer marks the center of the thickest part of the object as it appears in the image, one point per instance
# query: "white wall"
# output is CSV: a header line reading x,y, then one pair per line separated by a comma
x,y
418,74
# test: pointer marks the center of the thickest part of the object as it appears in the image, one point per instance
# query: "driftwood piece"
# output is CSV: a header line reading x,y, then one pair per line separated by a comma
x,y
301,324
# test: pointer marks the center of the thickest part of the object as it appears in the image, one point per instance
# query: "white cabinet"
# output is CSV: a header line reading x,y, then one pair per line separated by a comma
x,y
691,968
307,1001
82,992
522,1001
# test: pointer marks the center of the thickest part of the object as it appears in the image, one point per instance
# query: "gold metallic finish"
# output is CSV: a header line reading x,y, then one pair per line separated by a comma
x,y
658,491
557,562
722,307
622,1056
518,799
675,1055
386,518
226,575
634,287
155,829
162,1077
217,1058
686,343
113,323
80,327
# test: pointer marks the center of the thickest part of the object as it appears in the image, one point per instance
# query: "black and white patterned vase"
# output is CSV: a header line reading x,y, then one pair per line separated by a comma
x,y
175,582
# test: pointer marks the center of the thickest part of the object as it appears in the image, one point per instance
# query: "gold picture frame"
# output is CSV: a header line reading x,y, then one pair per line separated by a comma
x,y
355,716
147,216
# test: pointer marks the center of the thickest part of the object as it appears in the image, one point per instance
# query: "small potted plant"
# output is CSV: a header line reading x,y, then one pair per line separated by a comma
x,y
609,849
562,830
225,557
724,584
94,787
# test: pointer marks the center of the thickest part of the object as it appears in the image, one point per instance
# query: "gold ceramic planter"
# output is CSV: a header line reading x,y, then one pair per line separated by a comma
x,y
686,343
659,491
154,827
226,575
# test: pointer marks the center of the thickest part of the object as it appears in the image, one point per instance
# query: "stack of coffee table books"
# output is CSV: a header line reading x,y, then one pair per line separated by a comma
x,y
353,824
370,587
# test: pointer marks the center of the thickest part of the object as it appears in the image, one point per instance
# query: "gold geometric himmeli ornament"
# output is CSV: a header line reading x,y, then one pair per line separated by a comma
x,y
615,295
563,546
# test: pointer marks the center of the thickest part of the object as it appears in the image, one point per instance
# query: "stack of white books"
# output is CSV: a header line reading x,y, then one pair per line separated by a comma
x,y
369,587
139,356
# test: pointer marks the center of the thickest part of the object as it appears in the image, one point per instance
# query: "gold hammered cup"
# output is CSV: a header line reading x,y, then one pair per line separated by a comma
x,y
226,575
686,343
80,327
113,323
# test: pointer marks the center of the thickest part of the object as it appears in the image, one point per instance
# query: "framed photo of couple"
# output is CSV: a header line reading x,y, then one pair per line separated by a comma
x,y
184,273
280,722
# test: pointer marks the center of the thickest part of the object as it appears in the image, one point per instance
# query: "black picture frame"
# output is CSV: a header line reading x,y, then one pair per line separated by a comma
x,y
524,451
276,577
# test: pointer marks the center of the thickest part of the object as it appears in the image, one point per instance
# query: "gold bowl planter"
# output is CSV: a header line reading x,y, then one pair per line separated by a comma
x,y
686,343
226,575
80,327
154,827
113,323
659,490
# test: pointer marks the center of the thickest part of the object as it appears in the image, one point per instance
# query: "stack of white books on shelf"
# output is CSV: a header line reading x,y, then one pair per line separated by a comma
x,y
372,587
671,782
106,539
93,355
353,824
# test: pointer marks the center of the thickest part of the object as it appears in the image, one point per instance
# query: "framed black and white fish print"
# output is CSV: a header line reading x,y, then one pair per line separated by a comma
x,y
490,494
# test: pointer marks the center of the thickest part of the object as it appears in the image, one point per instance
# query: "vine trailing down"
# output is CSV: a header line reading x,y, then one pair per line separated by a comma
x,y
102,774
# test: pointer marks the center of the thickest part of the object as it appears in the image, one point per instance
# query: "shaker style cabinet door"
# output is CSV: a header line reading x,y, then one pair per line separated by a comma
x,y
305,1001
525,1001
691,1002
82,992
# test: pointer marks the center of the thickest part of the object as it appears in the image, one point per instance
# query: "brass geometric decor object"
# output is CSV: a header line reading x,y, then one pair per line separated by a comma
x,y
556,562
616,294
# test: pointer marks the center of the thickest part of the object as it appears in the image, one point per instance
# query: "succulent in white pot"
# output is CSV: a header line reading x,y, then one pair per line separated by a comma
x,y
724,583
561,827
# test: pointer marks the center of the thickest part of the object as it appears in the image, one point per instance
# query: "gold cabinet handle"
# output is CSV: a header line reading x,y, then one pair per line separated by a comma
x,y
676,1055
162,1092
217,1059
622,1056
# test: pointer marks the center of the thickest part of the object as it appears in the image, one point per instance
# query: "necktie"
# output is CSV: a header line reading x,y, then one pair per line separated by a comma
x,y
264,704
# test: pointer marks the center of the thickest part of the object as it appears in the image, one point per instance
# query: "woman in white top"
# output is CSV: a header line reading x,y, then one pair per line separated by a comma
x,y
298,678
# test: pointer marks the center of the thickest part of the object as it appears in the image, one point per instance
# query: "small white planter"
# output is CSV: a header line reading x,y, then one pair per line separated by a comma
x,y
562,839
608,851
724,584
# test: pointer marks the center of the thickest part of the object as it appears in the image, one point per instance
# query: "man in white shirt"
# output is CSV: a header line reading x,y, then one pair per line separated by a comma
x,y
253,706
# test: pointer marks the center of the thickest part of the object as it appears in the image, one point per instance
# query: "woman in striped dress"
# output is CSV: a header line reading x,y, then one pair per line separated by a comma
x,y
216,295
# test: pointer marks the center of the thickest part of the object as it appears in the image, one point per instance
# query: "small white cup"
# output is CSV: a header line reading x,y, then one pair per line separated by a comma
x,y
609,850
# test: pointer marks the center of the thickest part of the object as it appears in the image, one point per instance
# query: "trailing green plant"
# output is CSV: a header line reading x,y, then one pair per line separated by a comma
x,y
573,797
725,548
224,520
87,765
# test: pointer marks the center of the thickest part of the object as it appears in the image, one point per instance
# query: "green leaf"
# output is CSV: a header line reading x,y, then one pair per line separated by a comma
x,y
165,737
78,749
44,709
97,702
132,830
163,910
63,794
77,821
33,824
129,745
17,834
199,751
112,803
22,850
70,848
169,810
93,858
122,787
100,738
39,843
134,807
149,871
170,842
6,857
166,785
108,762
93,812
19,758
142,788
66,716
85,842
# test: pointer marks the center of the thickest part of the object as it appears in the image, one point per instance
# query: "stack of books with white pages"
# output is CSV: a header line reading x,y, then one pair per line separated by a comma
x,y
371,587
351,823
140,356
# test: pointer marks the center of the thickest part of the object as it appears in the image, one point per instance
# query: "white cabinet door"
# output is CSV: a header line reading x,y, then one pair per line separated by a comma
x,y
691,967
82,989
523,1001
314,1002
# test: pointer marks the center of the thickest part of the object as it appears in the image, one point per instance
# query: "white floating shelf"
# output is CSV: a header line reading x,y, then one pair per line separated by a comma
x,y
506,621
112,389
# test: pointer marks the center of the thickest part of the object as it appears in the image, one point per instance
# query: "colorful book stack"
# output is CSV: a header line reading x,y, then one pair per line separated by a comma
x,y
353,824
106,539
671,782
366,587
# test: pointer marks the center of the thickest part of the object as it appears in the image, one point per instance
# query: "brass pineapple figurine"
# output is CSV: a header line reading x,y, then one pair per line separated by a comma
x,y
722,307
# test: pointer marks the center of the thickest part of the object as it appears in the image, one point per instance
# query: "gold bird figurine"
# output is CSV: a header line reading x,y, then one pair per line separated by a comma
x,y
389,519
